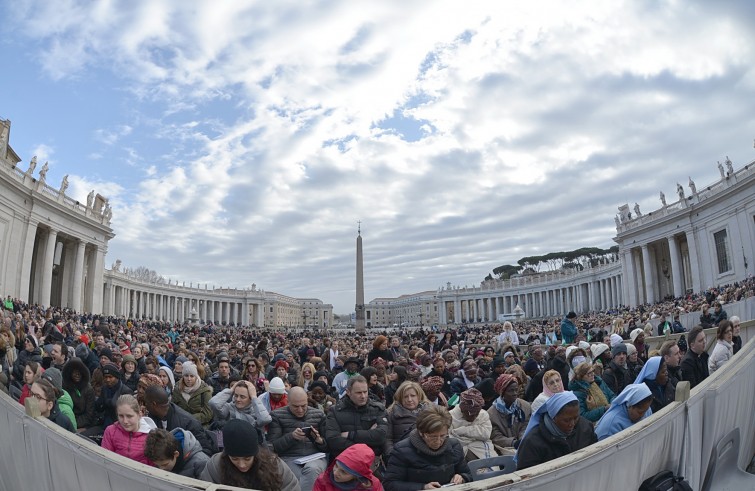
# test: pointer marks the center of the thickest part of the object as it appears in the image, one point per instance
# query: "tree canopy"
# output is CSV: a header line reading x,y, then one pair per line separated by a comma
x,y
555,261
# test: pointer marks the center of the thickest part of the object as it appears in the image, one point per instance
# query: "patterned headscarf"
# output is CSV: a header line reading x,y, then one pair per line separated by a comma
x,y
432,385
503,381
378,362
471,400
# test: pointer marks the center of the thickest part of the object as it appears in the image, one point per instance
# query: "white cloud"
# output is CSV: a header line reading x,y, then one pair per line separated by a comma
x,y
253,129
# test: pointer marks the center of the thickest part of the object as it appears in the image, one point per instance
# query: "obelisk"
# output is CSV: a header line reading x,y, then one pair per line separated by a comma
x,y
360,284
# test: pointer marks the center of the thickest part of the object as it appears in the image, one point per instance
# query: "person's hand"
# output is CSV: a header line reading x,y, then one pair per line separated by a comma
x,y
457,479
252,390
374,425
233,384
316,436
299,434
266,383
432,485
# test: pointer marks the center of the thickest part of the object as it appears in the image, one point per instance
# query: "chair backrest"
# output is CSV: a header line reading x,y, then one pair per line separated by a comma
x,y
15,392
505,463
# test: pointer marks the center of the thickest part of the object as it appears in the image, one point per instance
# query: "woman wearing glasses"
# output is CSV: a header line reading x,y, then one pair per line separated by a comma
x,y
43,392
427,458
593,394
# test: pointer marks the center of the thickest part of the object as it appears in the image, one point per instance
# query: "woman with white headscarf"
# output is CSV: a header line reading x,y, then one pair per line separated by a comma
x,y
629,407
555,429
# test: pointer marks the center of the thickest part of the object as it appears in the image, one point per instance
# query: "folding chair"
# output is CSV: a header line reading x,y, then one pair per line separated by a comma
x,y
723,470
480,468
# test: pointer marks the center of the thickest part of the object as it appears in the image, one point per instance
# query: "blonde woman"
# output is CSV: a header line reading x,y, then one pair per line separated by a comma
x,y
306,376
408,401
617,327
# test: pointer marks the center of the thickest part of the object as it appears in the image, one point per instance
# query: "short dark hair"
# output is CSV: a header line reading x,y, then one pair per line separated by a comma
x,y
693,333
722,327
355,380
160,445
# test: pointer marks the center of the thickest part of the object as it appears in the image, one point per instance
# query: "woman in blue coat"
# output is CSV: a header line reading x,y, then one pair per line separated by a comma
x,y
631,406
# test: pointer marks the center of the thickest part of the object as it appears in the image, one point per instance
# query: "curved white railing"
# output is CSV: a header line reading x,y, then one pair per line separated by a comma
x,y
37,454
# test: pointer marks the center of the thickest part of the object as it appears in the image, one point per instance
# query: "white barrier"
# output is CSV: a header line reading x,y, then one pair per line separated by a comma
x,y
37,454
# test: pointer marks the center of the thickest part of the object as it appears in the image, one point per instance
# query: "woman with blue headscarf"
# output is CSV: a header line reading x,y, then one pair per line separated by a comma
x,y
654,374
555,429
632,405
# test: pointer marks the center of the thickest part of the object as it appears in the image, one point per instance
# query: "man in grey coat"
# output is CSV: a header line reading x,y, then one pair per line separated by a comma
x,y
297,431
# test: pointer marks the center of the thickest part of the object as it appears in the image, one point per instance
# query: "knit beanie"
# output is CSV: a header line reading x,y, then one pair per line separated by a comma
x,y
33,340
240,439
54,376
189,368
619,348
107,353
111,369
277,386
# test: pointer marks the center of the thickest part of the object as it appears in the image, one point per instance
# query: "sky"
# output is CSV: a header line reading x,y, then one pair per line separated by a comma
x,y
241,142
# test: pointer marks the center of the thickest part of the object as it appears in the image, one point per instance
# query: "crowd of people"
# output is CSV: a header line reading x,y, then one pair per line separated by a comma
x,y
271,409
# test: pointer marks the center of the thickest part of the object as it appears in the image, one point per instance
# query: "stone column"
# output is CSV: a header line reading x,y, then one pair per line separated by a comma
x,y
648,269
78,276
676,266
45,291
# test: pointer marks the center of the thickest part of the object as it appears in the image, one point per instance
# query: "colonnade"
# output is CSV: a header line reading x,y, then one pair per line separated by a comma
x,y
486,306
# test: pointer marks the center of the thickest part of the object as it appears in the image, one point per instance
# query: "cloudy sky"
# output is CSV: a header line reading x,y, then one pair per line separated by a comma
x,y
239,142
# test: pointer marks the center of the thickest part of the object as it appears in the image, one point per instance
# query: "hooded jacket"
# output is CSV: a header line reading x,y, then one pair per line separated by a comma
x,y
82,394
358,458
126,443
191,460
60,419
65,403
224,409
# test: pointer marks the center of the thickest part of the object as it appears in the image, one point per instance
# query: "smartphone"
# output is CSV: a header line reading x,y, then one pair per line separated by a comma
x,y
307,430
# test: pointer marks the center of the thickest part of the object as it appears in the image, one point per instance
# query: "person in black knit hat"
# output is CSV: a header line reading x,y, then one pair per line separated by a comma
x,y
245,464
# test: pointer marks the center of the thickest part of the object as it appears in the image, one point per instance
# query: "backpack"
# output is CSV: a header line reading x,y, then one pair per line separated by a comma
x,y
665,481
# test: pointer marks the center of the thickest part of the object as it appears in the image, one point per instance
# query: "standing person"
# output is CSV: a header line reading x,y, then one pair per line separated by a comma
x,y
356,419
555,429
128,435
568,329
243,463
427,458
724,348
695,362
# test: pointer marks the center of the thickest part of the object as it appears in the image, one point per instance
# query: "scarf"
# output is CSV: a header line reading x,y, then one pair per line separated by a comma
x,y
187,392
595,397
509,413
550,425
417,442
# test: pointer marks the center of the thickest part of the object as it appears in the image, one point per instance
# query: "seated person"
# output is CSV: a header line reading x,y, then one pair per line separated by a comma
x,y
555,429
471,426
655,375
192,394
552,384
245,464
350,470
509,415
43,392
176,451
593,394
128,435
629,407
428,458
240,401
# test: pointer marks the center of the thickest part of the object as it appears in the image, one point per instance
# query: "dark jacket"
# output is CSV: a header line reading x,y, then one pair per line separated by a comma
x,y
400,423
60,419
535,387
662,395
357,421
178,418
459,385
23,358
374,353
447,377
616,377
694,368
412,464
81,394
281,439
106,403
191,460
540,445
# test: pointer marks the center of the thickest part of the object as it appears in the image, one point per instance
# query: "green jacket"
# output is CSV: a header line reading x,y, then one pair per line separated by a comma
x,y
65,404
198,404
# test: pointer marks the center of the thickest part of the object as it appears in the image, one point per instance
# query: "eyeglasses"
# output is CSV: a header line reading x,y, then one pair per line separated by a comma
x,y
39,397
435,438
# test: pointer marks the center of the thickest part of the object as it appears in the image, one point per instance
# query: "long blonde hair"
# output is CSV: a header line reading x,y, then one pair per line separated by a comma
x,y
398,397
618,326
300,381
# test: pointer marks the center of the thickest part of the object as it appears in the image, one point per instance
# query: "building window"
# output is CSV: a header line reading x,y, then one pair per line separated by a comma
x,y
722,251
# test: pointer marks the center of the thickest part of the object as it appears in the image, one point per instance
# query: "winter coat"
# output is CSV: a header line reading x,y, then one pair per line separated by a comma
x,y
413,464
60,419
25,357
191,459
212,473
400,423
198,404
474,436
504,435
358,458
540,445
280,438
617,377
694,368
721,354
82,394
65,403
581,390
385,354
128,443
568,330
357,421
179,418
106,403
131,382
225,410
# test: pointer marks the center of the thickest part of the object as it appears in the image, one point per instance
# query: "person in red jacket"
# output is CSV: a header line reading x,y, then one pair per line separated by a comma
x,y
128,436
350,470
